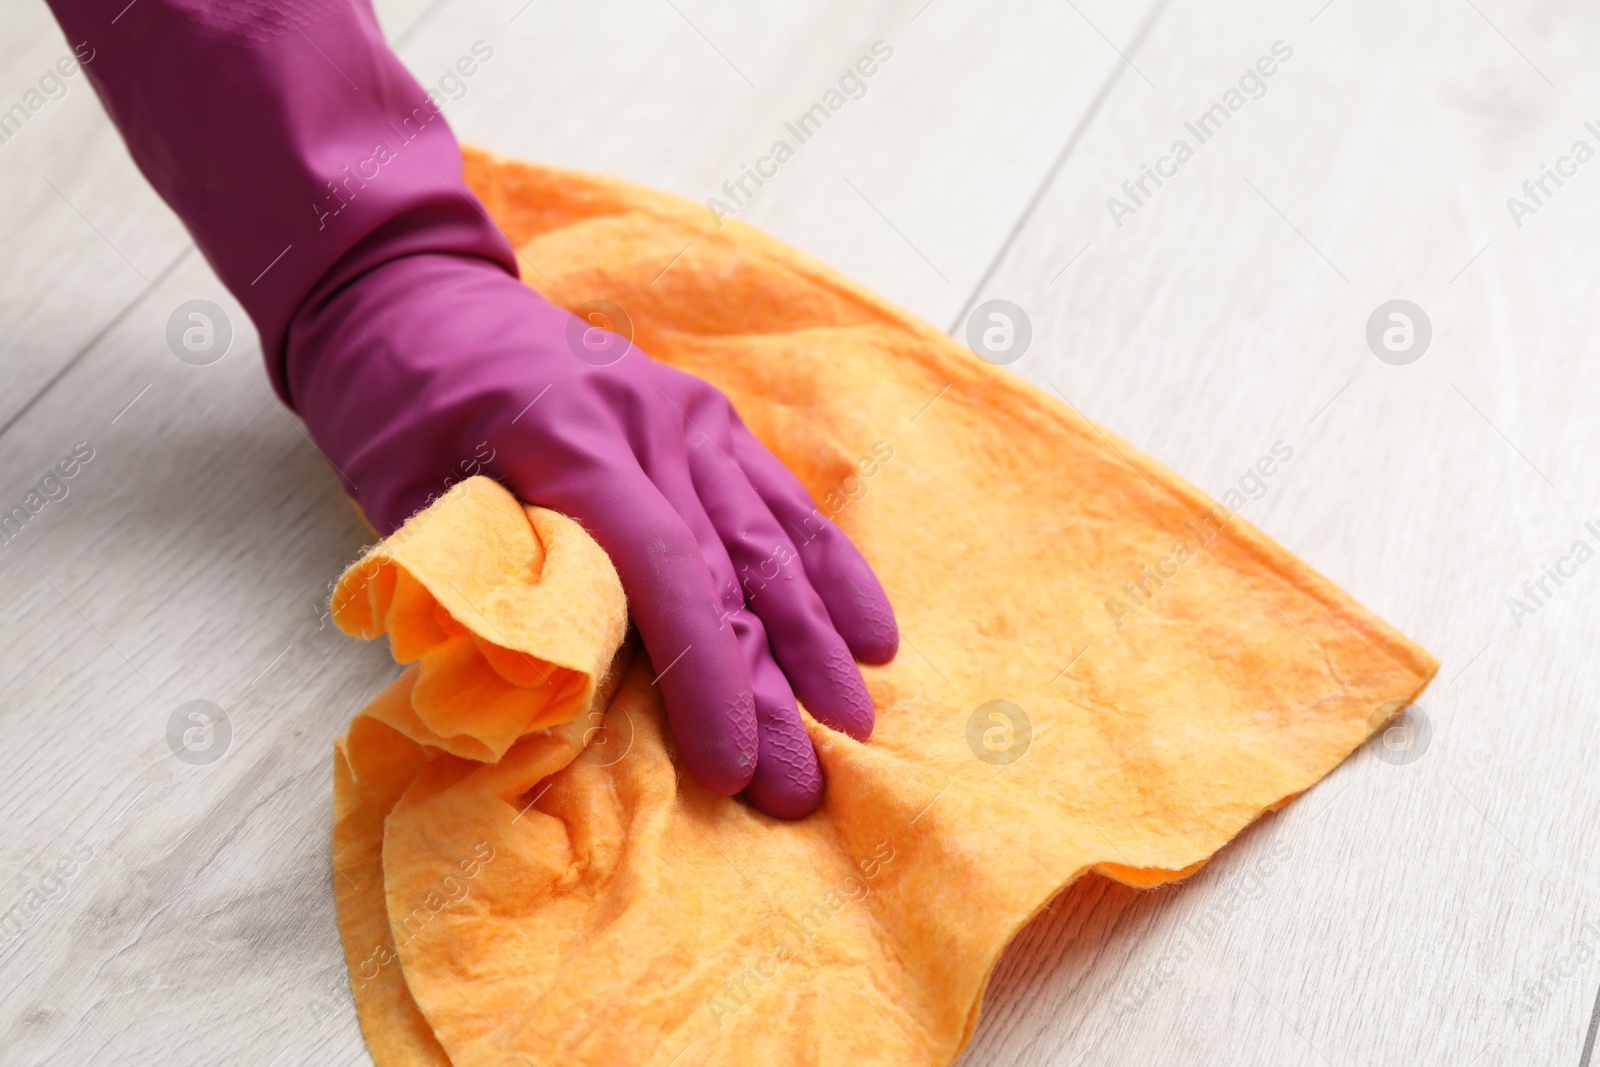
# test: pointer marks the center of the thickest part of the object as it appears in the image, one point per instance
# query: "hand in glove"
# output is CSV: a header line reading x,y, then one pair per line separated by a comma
x,y
324,186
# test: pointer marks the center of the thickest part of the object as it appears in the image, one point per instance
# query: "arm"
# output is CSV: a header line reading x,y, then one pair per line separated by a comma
x,y
262,124
325,189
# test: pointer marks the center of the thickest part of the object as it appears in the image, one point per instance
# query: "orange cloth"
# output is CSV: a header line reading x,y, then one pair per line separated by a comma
x,y
523,873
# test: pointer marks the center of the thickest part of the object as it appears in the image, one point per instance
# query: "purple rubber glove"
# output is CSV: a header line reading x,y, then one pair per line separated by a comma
x,y
442,357
324,187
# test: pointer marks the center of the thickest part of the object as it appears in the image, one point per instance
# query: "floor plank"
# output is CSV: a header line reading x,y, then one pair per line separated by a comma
x,y
910,188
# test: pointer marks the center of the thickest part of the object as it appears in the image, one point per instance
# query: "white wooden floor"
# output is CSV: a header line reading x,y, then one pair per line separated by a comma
x,y
1442,908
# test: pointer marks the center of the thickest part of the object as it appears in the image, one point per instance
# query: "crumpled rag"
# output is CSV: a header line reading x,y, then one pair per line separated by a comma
x,y
524,875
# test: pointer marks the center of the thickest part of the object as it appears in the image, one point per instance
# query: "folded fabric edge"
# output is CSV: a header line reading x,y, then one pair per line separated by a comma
x,y
398,1034
393,1025
1151,877
561,610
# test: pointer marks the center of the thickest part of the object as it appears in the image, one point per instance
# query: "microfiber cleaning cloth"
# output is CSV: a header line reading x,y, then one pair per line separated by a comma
x,y
525,875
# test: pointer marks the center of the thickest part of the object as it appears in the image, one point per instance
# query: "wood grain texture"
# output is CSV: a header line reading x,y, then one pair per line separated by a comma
x,y
1426,912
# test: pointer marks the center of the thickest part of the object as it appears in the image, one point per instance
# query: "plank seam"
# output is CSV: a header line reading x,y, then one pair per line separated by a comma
x,y
1060,161
89,345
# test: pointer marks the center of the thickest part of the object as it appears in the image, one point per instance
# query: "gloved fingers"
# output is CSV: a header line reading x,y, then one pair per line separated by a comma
x,y
855,600
676,607
788,781
775,584
666,464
